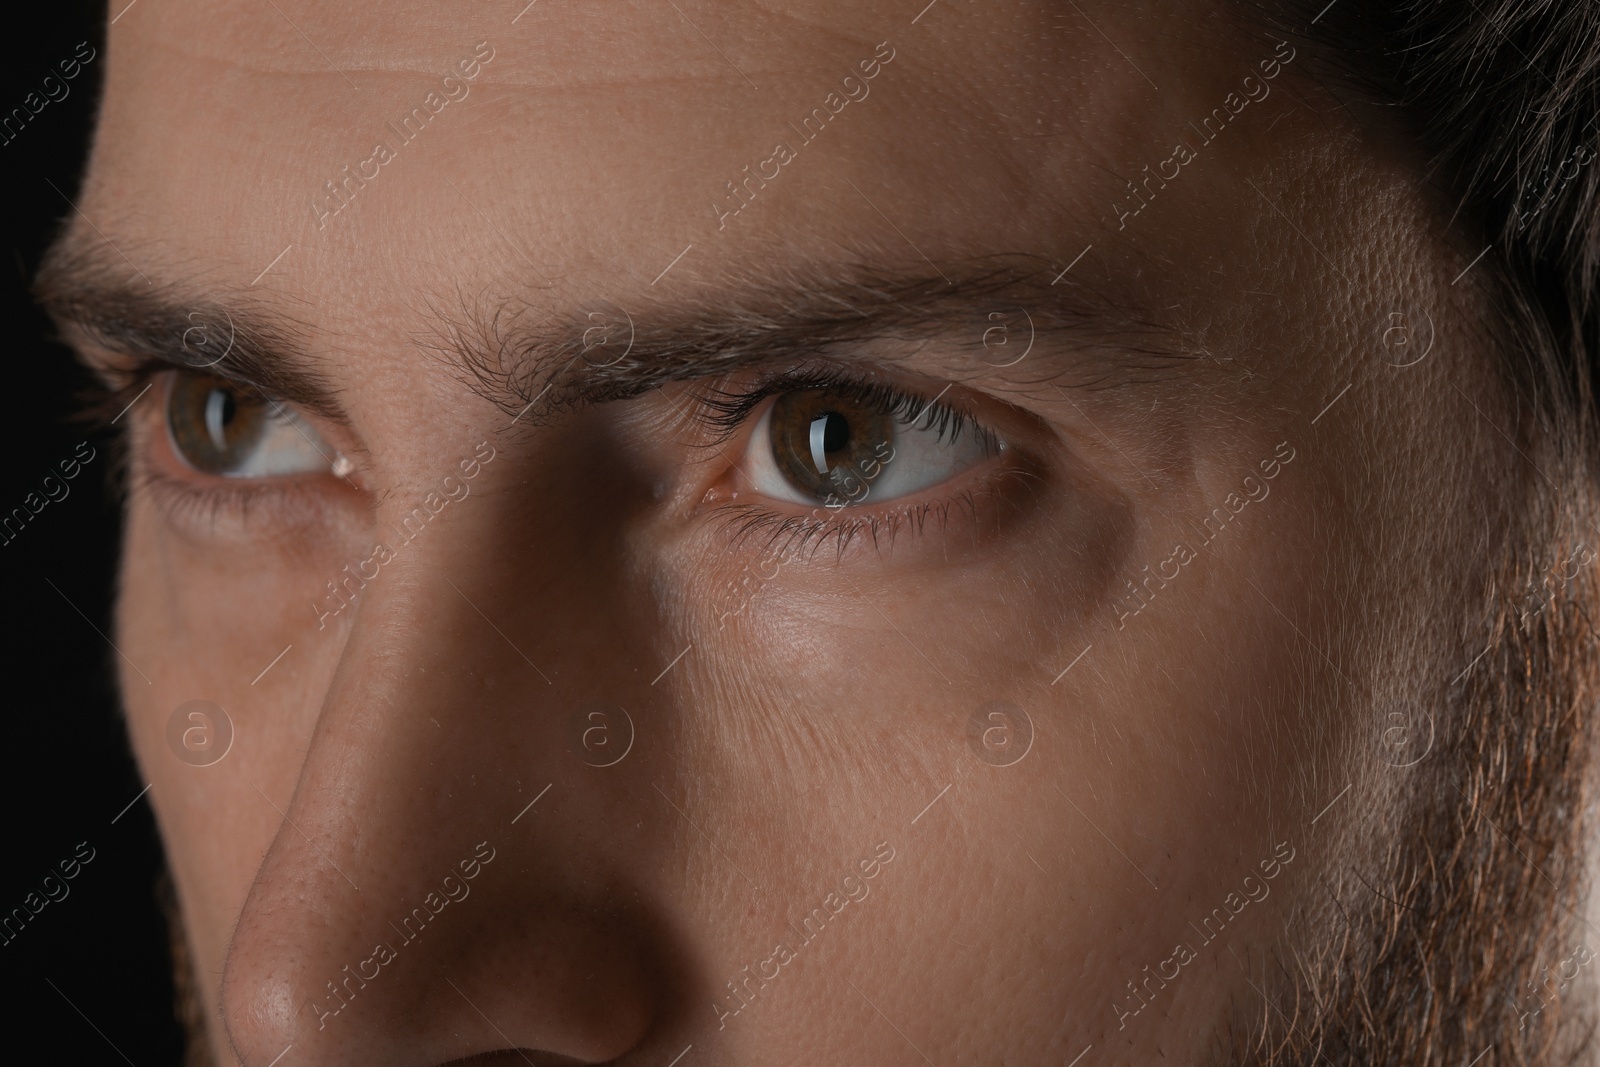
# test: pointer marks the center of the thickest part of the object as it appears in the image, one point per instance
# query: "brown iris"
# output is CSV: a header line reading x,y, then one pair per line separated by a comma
x,y
823,441
213,426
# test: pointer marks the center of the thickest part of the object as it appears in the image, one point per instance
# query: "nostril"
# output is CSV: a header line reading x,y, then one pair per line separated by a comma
x,y
589,1030
532,1057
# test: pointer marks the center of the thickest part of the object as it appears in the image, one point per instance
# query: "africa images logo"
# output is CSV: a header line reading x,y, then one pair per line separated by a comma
x,y
1141,995
742,191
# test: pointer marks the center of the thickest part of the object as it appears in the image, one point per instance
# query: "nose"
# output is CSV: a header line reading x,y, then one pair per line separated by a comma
x,y
439,888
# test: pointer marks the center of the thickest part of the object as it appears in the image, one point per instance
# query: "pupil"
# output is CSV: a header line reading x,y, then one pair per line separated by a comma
x,y
220,412
829,433
835,431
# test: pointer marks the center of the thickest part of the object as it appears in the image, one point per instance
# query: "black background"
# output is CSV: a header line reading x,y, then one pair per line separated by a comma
x,y
66,768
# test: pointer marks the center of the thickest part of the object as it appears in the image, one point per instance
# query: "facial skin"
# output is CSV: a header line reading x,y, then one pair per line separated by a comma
x,y
792,732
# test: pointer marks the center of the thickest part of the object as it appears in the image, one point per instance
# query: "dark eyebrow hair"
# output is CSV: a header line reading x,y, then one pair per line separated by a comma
x,y
517,353
237,336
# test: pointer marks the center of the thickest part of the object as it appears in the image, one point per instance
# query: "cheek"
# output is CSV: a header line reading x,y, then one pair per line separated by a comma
x,y
828,632
841,696
182,623
178,623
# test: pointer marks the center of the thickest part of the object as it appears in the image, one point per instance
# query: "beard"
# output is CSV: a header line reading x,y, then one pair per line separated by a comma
x,y
1460,929
186,1001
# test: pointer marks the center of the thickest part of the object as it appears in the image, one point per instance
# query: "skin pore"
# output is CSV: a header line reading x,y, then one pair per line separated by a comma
x,y
1201,532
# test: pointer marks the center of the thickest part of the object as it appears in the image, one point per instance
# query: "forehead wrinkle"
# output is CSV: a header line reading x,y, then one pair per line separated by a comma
x,y
520,355
649,45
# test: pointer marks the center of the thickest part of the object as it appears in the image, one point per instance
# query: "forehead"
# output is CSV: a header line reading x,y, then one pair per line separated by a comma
x,y
588,145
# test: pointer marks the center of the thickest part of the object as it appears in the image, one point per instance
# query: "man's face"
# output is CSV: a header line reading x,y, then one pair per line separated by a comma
x,y
623,660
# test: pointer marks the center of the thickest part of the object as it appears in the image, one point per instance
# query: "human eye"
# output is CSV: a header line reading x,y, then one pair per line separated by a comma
x,y
218,455
840,446
217,427
819,453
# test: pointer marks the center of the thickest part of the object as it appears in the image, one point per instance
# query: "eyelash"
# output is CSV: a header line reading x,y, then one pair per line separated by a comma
x,y
728,410
797,532
114,389
723,412
222,502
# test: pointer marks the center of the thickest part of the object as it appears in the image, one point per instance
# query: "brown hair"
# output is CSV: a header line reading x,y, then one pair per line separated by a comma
x,y
1504,98
1437,939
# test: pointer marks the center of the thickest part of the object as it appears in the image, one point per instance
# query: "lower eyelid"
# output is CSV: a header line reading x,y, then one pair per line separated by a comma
x,y
183,502
972,496
227,500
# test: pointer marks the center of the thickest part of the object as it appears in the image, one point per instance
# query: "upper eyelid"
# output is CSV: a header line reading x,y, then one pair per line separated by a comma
x,y
146,369
135,368
148,366
119,369
736,405
239,350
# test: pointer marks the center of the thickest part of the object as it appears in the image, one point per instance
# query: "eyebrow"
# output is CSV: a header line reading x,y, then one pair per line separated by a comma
x,y
235,336
518,354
